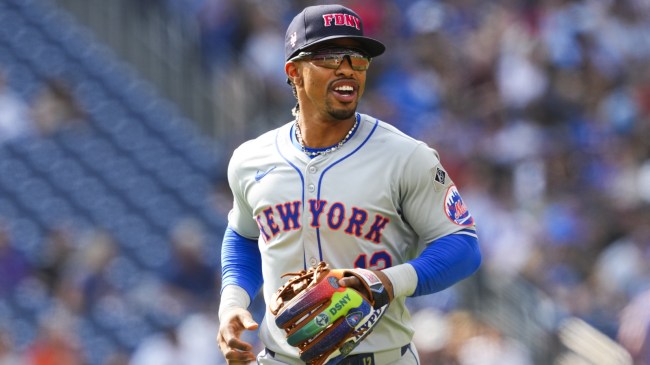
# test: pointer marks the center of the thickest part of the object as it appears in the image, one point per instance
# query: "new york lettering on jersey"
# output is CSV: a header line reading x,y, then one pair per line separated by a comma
x,y
354,221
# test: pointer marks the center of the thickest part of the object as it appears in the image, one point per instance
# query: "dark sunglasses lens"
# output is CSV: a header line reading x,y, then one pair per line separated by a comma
x,y
358,61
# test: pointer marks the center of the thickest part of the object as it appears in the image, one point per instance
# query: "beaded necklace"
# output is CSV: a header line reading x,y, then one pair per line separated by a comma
x,y
312,152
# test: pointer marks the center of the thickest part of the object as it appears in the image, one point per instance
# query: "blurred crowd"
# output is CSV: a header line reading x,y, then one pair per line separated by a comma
x,y
51,109
541,113
84,276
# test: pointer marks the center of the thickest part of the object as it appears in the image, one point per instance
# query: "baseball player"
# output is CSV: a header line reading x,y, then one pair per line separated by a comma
x,y
342,187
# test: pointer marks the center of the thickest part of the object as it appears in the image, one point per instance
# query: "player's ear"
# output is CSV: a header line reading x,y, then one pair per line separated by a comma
x,y
293,73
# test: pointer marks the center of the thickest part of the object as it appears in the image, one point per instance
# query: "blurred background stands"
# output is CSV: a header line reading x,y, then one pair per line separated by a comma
x,y
118,117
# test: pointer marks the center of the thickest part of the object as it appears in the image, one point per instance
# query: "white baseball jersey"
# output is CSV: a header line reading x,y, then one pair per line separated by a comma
x,y
373,203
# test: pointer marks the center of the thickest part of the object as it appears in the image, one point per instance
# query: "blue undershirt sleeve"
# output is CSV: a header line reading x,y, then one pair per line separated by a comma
x,y
241,263
446,261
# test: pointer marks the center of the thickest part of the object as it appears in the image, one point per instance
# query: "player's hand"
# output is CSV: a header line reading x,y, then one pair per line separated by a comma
x,y
354,282
232,324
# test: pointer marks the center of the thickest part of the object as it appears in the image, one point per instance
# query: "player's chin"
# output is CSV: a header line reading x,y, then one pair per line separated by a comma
x,y
343,114
343,111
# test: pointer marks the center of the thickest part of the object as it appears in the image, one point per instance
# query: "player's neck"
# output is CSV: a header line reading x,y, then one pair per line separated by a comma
x,y
316,133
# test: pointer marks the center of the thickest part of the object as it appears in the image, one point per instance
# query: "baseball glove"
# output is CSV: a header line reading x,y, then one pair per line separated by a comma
x,y
324,320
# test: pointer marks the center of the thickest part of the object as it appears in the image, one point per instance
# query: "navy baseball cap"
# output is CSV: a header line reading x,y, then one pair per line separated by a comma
x,y
321,23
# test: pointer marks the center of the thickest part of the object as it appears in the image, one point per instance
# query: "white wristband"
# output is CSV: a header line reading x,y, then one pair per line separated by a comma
x,y
233,296
404,279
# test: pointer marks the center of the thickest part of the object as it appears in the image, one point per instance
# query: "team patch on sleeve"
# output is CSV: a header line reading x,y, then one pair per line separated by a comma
x,y
440,178
456,209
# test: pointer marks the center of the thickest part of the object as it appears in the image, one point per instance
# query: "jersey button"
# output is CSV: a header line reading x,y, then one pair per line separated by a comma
x,y
313,261
311,187
313,169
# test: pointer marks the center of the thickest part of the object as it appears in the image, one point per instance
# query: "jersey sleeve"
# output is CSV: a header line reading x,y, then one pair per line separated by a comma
x,y
431,202
240,217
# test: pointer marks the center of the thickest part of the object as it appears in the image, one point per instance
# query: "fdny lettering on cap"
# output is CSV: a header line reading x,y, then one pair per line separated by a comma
x,y
342,19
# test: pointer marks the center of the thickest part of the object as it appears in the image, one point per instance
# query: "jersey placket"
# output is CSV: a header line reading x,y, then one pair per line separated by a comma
x,y
309,232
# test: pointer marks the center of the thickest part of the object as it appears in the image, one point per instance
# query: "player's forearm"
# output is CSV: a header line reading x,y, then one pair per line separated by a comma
x,y
404,279
233,296
241,263
446,261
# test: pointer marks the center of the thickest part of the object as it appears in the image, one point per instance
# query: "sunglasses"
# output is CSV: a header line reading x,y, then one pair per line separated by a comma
x,y
333,58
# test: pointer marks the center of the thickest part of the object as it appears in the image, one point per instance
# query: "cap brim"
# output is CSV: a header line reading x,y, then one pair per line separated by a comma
x,y
369,45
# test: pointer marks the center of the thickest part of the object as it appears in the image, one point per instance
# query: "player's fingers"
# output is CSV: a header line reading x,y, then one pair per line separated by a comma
x,y
238,344
239,357
351,282
355,283
247,321
229,339
233,324
236,351
235,321
234,357
246,362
